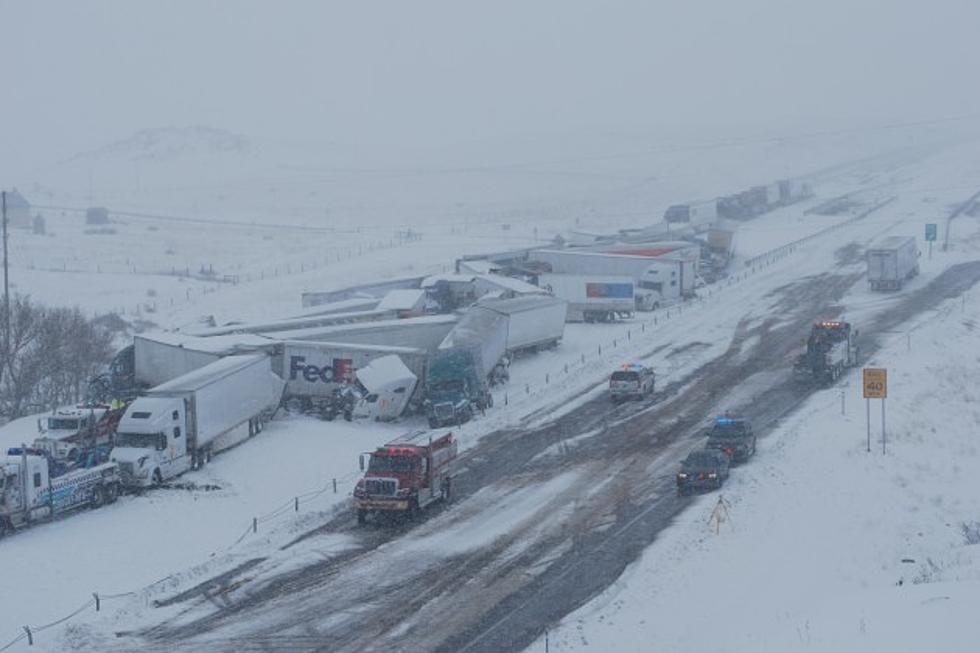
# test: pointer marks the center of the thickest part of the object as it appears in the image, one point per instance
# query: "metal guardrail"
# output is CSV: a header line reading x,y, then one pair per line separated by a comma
x,y
783,250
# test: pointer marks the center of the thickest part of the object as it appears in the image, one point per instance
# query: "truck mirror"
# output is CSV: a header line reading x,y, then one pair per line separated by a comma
x,y
361,461
39,428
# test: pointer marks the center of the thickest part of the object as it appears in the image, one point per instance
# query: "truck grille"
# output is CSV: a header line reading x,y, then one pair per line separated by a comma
x,y
379,487
444,411
127,471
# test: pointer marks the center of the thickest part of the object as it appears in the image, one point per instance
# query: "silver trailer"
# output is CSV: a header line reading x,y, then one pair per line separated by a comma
x,y
892,262
533,322
160,357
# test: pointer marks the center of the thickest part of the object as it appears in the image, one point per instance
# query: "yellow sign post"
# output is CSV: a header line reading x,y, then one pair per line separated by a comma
x,y
876,387
875,383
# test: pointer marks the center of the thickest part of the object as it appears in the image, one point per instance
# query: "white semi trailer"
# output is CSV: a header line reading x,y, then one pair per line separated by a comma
x,y
178,425
659,279
592,298
892,262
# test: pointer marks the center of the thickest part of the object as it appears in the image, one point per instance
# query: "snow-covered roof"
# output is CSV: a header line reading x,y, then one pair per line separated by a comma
x,y
209,373
430,282
520,304
402,300
295,323
511,284
347,346
365,303
382,371
16,201
336,332
221,345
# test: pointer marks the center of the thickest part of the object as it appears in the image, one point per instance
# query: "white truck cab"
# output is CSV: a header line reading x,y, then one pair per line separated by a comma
x,y
151,441
57,429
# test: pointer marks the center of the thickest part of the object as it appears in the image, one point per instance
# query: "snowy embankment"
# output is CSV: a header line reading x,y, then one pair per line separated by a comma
x,y
827,546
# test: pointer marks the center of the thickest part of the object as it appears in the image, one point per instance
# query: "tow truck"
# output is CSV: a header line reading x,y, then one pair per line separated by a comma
x,y
406,475
830,349
34,486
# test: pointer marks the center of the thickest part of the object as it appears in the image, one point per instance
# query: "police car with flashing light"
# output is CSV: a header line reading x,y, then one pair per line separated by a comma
x,y
632,381
734,436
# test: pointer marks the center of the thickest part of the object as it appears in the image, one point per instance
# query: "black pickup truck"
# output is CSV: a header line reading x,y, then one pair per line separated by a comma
x,y
734,436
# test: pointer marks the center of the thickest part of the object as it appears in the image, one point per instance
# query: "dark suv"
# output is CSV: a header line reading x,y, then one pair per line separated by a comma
x,y
734,436
702,469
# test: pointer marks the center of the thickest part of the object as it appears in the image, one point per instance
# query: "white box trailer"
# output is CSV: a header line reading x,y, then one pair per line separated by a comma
x,y
178,425
592,298
892,262
313,370
160,357
533,321
659,280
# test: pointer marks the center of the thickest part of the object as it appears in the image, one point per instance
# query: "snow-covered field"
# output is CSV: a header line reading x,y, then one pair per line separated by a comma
x,y
179,535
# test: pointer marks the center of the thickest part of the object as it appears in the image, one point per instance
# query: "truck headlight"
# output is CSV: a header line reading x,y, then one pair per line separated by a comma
x,y
682,476
712,475
142,461
403,492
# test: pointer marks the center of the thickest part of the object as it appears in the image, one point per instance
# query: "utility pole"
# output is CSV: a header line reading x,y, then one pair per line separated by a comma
x,y
6,287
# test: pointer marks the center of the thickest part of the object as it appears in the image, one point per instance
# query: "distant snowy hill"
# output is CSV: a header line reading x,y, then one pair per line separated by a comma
x,y
167,143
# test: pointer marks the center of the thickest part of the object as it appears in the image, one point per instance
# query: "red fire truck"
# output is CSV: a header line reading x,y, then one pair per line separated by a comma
x,y
406,475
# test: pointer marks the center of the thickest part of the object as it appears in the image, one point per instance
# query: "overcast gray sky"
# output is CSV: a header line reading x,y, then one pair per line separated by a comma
x,y
80,74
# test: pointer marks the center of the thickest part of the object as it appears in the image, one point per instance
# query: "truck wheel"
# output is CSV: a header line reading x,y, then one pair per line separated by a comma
x,y
489,401
447,490
111,492
5,528
157,478
413,510
361,516
97,498
433,423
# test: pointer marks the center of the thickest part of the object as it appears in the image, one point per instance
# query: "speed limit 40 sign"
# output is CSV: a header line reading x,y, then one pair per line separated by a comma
x,y
875,383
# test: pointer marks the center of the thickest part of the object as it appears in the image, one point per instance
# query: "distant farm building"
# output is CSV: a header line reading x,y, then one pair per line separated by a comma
x,y
97,215
18,210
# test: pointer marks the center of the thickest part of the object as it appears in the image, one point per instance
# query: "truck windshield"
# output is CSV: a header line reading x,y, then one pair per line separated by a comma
x,y
139,440
400,464
56,424
454,385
